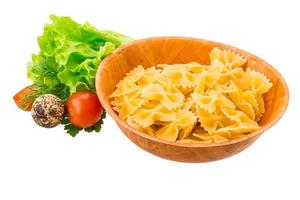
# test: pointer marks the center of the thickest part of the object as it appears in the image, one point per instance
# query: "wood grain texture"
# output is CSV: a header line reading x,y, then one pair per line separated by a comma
x,y
172,50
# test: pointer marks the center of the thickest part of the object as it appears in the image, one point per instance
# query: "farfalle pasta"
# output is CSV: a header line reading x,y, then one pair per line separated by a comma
x,y
193,103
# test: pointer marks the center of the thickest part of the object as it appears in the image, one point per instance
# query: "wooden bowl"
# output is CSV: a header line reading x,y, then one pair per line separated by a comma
x,y
171,50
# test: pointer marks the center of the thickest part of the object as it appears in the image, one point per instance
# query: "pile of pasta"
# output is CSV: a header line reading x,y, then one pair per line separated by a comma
x,y
193,103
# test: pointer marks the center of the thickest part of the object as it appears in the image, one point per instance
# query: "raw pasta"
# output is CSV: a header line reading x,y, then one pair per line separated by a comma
x,y
193,103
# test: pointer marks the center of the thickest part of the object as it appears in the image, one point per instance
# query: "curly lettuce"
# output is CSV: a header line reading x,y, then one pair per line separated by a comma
x,y
70,54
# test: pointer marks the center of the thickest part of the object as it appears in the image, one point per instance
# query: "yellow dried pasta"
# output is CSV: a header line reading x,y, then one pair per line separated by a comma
x,y
193,103
183,124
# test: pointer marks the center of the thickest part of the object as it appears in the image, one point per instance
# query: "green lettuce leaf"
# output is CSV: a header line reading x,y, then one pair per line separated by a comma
x,y
70,54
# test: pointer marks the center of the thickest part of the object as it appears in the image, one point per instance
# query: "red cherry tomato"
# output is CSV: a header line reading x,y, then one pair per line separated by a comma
x,y
84,109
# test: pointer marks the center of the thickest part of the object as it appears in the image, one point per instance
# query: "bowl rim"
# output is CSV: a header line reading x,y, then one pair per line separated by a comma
x,y
106,105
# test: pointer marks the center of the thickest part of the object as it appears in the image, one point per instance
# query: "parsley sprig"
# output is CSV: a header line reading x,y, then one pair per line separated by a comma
x,y
73,131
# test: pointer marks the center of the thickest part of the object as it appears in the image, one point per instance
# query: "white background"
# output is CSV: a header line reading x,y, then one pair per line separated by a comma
x,y
37,163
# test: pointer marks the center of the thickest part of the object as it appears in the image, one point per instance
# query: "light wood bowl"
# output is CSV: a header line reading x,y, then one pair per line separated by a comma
x,y
171,50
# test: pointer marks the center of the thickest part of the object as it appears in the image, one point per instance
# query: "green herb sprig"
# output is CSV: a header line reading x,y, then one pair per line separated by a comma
x,y
73,131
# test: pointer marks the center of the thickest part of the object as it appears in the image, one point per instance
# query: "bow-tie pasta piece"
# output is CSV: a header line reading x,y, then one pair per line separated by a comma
x,y
241,122
168,96
229,58
148,130
244,101
180,76
184,122
147,116
124,87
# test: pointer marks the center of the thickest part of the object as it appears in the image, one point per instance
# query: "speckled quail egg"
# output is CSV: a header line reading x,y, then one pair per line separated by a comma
x,y
48,110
